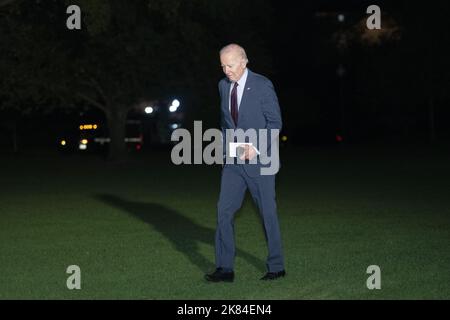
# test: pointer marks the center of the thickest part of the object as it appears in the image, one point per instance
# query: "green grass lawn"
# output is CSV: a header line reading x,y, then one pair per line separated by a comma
x,y
145,229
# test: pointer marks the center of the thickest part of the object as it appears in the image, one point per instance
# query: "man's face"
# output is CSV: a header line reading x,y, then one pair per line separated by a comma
x,y
232,65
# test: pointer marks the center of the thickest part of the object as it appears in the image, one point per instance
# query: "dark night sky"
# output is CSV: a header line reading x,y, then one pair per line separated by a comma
x,y
305,66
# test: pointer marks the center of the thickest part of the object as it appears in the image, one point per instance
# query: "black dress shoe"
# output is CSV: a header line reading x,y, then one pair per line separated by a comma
x,y
220,275
273,275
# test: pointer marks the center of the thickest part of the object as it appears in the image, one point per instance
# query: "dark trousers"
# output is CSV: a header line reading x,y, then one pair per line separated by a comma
x,y
234,184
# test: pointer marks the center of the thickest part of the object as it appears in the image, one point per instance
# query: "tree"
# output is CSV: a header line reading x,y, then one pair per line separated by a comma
x,y
125,53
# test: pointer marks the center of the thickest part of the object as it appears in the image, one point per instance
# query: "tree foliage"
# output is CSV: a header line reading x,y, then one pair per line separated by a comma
x,y
126,52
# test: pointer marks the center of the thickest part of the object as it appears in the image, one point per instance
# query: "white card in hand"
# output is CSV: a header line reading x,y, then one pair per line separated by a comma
x,y
234,145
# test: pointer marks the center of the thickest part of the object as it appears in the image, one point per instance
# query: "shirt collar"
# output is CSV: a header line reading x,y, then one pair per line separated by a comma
x,y
243,79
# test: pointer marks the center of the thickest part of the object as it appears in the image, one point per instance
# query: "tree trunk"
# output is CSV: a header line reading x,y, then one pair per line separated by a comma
x,y
116,118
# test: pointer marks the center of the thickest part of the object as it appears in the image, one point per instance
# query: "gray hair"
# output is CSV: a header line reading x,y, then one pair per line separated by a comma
x,y
236,48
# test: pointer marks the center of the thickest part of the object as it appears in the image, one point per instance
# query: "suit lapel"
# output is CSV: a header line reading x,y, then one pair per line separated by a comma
x,y
245,93
226,105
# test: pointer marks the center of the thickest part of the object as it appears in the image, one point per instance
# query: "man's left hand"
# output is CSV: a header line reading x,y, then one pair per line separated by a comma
x,y
249,152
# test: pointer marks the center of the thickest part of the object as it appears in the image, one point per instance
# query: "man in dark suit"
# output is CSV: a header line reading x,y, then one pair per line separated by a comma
x,y
248,102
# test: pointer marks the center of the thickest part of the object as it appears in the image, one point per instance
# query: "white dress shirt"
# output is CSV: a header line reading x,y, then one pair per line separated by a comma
x,y
240,92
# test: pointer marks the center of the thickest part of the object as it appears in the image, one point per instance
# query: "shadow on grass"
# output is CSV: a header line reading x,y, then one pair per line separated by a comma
x,y
184,234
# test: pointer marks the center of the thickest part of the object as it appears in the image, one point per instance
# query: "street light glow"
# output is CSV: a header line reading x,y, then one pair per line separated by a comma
x,y
148,109
176,103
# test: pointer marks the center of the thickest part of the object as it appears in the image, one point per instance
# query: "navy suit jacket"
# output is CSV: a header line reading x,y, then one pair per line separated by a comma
x,y
259,109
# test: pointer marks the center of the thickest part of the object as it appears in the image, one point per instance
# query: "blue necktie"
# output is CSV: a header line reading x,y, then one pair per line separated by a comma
x,y
234,104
